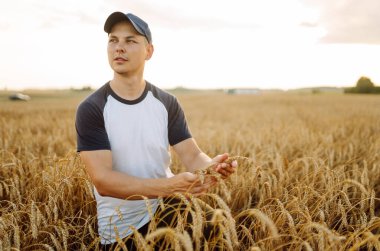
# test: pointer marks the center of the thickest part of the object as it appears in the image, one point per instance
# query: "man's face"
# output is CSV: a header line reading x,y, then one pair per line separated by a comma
x,y
127,49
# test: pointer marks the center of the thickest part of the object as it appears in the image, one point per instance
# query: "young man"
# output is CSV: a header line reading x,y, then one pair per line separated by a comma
x,y
124,131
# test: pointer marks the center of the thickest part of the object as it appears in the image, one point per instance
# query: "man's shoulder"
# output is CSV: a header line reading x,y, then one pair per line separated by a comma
x,y
98,96
97,99
162,95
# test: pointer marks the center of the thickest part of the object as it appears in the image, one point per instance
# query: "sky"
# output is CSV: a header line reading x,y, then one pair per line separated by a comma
x,y
268,44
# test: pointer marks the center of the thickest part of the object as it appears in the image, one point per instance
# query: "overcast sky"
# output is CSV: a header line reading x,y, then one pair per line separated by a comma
x,y
200,44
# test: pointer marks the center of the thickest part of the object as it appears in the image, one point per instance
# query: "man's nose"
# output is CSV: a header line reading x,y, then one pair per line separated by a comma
x,y
120,47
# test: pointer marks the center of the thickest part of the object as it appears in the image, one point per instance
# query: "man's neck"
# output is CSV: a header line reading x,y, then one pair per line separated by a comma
x,y
129,88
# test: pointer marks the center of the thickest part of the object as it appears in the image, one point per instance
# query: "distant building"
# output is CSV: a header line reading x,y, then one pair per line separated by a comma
x,y
241,91
19,96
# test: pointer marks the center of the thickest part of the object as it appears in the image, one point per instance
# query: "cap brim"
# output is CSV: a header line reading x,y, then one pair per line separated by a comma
x,y
114,18
117,17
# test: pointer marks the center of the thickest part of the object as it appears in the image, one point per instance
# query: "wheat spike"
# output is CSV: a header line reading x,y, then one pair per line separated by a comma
x,y
370,238
16,237
307,246
120,244
247,234
161,203
119,214
91,231
254,249
264,219
64,232
55,212
217,216
94,244
56,243
139,240
197,224
148,206
169,232
372,205
343,213
33,221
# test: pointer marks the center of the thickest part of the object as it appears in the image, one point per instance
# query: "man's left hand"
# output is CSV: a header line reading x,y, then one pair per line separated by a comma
x,y
225,169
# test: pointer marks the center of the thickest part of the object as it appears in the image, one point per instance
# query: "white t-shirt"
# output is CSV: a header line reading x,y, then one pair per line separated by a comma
x,y
138,133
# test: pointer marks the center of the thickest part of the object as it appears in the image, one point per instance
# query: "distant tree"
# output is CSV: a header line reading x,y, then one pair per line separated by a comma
x,y
86,88
376,89
364,85
350,90
315,91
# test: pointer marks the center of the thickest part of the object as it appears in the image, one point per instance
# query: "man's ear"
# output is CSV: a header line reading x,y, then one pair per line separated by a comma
x,y
150,50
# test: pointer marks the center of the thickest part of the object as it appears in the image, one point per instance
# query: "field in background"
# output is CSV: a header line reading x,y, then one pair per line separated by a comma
x,y
312,181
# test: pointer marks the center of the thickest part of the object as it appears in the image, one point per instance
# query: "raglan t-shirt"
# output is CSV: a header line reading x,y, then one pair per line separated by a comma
x,y
138,133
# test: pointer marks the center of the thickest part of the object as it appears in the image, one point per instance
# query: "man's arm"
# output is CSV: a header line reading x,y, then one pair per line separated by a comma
x,y
109,182
193,158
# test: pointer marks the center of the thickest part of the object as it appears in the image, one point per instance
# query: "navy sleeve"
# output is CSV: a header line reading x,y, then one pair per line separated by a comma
x,y
91,132
177,125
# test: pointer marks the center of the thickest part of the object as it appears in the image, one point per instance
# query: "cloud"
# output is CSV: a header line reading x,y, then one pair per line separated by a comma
x,y
59,17
309,24
172,15
38,14
348,21
4,26
56,15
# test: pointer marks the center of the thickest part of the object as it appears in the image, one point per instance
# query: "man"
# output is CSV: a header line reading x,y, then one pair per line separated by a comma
x,y
124,131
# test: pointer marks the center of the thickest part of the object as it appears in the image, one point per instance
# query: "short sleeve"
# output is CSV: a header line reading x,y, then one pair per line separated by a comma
x,y
177,125
91,132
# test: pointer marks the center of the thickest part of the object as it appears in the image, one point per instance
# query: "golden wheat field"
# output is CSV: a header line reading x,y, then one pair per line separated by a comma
x,y
311,180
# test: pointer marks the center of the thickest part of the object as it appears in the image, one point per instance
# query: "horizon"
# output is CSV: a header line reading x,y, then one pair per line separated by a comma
x,y
85,88
313,43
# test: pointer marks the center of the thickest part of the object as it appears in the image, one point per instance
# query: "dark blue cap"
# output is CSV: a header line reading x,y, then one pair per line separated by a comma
x,y
140,25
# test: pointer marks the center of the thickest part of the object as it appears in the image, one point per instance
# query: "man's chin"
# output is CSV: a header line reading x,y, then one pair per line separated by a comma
x,y
120,72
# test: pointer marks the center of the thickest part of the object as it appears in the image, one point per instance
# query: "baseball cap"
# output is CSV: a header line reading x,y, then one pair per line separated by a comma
x,y
140,25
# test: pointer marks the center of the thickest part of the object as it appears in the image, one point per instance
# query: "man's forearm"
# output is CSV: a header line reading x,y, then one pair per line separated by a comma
x,y
119,185
191,155
201,160
123,186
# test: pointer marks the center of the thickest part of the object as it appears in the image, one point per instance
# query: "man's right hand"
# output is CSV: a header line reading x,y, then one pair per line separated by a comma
x,y
187,182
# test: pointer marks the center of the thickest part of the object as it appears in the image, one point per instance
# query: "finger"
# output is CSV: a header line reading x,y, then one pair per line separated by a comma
x,y
226,172
224,165
193,185
220,158
225,175
196,183
190,177
200,189
197,194
221,166
230,169
211,181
